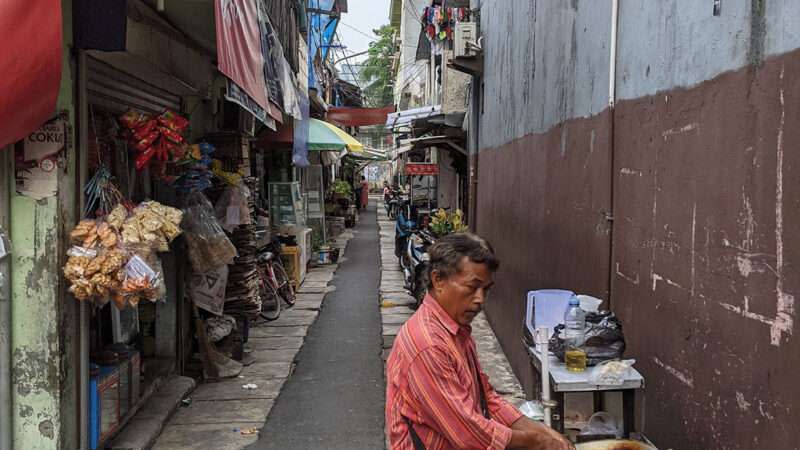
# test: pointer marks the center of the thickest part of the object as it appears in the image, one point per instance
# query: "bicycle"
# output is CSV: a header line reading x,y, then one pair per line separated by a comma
x,y
275,287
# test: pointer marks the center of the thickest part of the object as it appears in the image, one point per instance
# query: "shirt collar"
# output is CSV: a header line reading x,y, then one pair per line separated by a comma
x,y
451,325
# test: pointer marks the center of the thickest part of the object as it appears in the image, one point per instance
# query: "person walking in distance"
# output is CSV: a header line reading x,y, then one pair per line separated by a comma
x,y
364,193
437,396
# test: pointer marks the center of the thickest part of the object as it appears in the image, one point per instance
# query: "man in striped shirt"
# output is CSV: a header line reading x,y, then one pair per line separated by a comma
x,y
437,397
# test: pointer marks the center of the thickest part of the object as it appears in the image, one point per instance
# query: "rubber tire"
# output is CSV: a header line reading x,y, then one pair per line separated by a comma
x,y
420,287
267,291
286,290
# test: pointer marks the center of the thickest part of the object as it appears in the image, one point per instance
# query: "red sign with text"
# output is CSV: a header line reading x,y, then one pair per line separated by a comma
x,y
422,169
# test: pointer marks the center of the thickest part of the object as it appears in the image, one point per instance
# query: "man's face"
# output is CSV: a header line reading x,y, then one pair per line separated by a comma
x,y
462,295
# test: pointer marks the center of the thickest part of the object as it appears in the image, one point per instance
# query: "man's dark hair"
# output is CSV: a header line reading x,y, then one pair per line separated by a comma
x,y
448,252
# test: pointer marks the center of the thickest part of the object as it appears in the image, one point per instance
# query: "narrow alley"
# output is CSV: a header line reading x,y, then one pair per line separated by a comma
x,y
317,224
334,398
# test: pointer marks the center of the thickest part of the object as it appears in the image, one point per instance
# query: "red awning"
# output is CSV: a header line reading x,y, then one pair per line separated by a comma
x,y
283,137
30,64
359,117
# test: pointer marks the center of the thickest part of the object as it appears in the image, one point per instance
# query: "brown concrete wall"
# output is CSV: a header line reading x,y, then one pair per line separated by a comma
x,y
541,203
706,246
706,251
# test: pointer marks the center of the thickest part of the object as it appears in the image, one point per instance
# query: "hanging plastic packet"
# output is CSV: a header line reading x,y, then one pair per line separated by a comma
x,y
5,244
208,245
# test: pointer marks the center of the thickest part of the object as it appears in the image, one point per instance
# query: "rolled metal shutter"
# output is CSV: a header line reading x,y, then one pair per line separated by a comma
x,y
119,92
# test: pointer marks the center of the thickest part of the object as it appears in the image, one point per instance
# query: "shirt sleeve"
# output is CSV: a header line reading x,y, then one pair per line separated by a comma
x,y
446,407
499,408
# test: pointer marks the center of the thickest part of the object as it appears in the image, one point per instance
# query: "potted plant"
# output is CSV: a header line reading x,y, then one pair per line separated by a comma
x,y
443,224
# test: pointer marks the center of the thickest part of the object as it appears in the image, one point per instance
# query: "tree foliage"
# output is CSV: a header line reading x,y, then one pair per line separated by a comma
x,y
376,72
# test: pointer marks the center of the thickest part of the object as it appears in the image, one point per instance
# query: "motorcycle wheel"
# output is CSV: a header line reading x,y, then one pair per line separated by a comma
x,y
420,287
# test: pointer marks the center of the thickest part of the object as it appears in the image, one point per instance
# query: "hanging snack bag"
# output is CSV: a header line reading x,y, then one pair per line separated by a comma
x,y
208,245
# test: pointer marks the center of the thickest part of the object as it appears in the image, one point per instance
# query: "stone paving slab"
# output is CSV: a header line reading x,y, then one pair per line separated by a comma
x,y
285,355
223,412
293,318
268,370
403,311
395,319
319,276
392,275
231,389
279,332
398,298
313,305
207,436
145,427
391,329
276,343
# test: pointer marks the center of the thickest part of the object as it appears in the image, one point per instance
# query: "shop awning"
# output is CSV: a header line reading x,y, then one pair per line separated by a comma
x,y
359,117
323,136
30,64
404,118
430,141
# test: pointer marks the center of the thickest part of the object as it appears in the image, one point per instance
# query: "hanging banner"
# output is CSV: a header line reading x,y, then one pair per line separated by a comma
x,y
235,94
301,130
239,54
31,65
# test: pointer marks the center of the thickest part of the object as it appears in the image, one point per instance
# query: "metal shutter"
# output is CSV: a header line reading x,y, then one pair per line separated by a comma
x,y
118,92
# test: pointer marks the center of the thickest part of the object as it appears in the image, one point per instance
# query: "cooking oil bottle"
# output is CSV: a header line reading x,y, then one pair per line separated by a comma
x,y
575,336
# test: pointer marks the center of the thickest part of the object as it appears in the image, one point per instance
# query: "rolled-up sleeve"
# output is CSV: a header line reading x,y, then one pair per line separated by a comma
x,y
445,405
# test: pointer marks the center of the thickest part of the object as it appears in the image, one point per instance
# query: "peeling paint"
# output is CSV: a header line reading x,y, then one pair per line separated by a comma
x,y
629,171
784,322
680,130
632,280
47,429
688,380
744,405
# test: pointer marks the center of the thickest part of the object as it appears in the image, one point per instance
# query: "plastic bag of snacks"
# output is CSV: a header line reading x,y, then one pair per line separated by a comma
x,y
152,226
232,209
208,245
142,280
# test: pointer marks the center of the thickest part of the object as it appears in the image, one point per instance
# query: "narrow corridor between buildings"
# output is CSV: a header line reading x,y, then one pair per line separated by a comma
x,y
335,398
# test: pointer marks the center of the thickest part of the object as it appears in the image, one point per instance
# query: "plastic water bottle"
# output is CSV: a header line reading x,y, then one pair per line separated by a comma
x,y
575,336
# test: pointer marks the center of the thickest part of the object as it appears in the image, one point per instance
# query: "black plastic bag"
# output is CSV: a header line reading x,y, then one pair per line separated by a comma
x,y
604,339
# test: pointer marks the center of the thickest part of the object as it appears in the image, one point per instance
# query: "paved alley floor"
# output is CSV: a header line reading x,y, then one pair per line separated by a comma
x,y
335,398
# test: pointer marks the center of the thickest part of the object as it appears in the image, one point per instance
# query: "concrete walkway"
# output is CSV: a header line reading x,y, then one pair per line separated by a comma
x,y
224,415
335,398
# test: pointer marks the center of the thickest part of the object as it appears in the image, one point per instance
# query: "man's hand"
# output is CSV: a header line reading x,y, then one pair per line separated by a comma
x,y
530,435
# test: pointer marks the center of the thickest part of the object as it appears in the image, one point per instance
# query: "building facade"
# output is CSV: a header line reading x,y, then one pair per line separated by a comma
x,y
647,161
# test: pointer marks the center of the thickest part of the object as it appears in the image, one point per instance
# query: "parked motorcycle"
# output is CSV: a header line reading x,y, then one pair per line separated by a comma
x,y
393,202
405,224
416,262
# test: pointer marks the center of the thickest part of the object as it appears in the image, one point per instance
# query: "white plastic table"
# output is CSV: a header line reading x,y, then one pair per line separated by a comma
x,y
563,382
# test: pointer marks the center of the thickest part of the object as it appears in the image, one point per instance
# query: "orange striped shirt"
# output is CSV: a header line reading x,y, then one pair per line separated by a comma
x,y
431,381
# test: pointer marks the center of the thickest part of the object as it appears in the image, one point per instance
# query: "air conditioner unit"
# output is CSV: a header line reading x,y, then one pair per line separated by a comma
x,y
466,36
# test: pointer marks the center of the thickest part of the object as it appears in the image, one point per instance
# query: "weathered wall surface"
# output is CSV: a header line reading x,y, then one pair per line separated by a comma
x,y
706,246
43,375
546,62
544,177
699,151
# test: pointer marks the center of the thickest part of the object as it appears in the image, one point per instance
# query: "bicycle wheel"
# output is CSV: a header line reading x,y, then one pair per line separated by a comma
x,y
270,301
285,288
